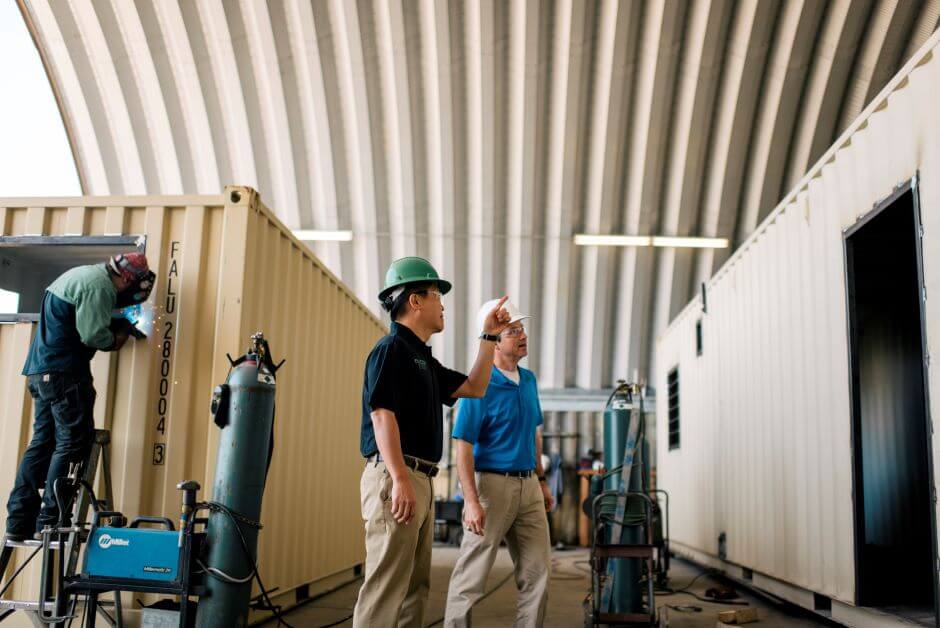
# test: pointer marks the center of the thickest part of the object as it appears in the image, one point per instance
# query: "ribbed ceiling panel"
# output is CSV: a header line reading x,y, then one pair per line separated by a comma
x,y
483,134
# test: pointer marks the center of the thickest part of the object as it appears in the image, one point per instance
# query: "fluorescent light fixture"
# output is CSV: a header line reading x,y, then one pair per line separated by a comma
x,y
313,235
691,243
584,239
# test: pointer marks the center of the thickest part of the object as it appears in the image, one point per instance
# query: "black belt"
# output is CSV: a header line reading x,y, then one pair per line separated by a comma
x,y
512,474
426,468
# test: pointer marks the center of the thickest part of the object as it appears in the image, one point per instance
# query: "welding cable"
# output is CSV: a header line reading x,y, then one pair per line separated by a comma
x,y
482,597
709,600
235,518
319,596
254,566
707,572
685,591
218,574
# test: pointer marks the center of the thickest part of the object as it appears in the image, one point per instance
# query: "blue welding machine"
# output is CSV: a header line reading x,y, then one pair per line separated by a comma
x,y
133,553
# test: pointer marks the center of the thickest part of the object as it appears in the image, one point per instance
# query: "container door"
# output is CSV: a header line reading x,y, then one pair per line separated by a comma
x,y
895,528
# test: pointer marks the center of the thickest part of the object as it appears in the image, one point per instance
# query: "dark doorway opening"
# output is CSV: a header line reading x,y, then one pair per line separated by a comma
x,y
895,531
28,264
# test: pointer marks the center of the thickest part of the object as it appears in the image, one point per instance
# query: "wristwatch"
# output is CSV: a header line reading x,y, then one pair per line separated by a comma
x,y
490,337
541,478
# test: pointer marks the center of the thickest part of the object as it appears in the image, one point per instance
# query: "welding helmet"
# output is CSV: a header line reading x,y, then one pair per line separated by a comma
x,y
133,268
129,266
137,292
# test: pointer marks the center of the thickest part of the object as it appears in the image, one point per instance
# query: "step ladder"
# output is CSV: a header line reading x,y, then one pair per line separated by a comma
x,y
69,550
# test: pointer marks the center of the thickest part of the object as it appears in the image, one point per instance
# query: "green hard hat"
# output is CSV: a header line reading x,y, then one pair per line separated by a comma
x,y
411,270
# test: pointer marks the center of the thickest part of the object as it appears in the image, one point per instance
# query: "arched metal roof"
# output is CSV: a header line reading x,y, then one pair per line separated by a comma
x,y
483,134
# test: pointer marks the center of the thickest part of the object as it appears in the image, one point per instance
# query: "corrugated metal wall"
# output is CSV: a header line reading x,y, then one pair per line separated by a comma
x,y
483,134
226,268
315,322
765,411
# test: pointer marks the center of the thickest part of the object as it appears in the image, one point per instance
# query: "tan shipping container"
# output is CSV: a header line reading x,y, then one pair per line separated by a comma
x,y
226,267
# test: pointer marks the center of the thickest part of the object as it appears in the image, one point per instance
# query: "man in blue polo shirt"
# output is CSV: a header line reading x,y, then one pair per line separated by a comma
x,y
499,451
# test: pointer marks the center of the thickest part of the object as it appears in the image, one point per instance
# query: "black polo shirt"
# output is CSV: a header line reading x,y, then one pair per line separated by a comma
x,y
401,375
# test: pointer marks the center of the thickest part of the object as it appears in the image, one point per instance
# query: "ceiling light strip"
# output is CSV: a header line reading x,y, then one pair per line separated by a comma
x,y
584,239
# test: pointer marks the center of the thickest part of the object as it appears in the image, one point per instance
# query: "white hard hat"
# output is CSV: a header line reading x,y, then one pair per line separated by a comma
x,y
514,314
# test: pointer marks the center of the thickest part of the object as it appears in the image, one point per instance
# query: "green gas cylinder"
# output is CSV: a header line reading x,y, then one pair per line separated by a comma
x,y
244,408
627,593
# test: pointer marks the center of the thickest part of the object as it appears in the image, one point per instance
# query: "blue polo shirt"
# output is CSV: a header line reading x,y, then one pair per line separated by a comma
x,y
501,425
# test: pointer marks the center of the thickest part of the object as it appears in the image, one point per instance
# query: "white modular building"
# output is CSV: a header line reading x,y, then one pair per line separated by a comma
x,y
796,393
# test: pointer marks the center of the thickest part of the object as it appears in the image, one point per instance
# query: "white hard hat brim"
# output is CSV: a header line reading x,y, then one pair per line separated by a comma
x,y
509,306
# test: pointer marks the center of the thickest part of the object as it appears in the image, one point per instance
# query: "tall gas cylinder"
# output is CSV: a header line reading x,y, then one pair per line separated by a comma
x,y
627,595
616,426
244,408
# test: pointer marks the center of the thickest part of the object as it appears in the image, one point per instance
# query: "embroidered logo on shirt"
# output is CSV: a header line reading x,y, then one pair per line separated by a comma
x,y
421,364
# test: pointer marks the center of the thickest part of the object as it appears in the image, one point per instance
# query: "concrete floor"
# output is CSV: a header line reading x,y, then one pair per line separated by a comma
x,y
569,585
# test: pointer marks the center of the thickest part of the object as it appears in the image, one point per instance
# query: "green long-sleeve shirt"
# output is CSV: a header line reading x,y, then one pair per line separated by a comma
x,y
73,323
91,291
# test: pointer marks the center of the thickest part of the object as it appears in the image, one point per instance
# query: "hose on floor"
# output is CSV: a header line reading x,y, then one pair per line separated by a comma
x,y
686,591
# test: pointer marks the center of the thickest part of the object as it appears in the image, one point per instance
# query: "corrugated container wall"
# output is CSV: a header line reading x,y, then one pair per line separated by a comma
x,y
765,455
225,268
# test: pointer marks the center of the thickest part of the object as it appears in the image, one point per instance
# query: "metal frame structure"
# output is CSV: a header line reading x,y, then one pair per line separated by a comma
x,y
482,134
56,601
602,551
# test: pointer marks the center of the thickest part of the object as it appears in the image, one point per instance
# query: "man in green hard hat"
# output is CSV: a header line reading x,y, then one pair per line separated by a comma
x,y
402,439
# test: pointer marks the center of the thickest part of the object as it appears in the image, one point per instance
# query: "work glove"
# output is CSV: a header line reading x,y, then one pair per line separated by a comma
x,y
118,325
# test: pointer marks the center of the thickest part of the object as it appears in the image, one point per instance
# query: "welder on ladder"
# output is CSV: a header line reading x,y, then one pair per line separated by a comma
x,y
74,323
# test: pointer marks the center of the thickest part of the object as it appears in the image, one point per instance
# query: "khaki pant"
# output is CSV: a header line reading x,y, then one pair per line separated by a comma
x,y
398,556
515,510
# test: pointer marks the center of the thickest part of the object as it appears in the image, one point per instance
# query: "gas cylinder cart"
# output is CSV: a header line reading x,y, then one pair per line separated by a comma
x,y
622,571
629,552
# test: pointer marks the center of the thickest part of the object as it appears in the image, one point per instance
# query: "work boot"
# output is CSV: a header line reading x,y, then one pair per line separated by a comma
x,y
17,537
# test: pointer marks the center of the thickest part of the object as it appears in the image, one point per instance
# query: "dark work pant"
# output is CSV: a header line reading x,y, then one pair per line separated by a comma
x,y
63,430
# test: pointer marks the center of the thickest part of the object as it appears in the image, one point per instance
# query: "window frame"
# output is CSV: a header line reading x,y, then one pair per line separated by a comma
x,y
137,242
673,425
